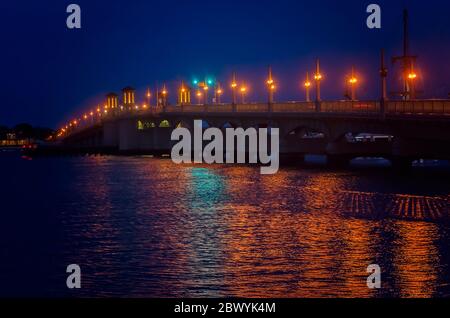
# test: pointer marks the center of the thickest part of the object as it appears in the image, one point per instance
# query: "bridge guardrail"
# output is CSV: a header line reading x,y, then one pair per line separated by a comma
x,y
430,107
294,107
350,106
393,107
252,108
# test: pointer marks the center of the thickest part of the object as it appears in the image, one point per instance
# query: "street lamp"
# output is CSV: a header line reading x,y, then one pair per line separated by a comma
x,y
412,76
219,92
270,85
148,95
353,81
318,77
206,88
243,92
307,85
199,97
233,88
164,95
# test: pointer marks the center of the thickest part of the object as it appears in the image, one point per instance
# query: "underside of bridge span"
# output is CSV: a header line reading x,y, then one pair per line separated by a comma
x,y
340,138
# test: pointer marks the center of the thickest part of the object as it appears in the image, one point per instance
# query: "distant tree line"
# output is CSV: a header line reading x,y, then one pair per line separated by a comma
x,y
26,131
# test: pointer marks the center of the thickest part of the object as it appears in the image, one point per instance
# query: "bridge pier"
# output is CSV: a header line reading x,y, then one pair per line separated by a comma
x,y
292,158
338,161
401,163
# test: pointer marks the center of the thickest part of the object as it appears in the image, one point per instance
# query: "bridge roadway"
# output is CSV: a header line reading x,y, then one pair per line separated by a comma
x,y
413,129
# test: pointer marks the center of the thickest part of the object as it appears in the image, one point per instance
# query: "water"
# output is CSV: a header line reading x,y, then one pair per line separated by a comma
x,y
144,227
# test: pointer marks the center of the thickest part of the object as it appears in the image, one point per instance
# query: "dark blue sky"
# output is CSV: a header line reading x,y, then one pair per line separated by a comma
x,y
50,72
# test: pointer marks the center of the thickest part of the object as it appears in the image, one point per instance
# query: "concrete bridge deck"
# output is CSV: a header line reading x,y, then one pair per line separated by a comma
x,y
415,129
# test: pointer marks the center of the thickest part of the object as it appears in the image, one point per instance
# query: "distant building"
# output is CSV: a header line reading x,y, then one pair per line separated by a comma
x,y
12,141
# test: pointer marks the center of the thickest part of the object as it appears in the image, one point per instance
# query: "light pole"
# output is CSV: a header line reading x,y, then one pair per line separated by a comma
x,y
243,92
199,97
307,85
353,81
318,77
270,86
164,94
206,89
219,92
412,76
233,88
148,97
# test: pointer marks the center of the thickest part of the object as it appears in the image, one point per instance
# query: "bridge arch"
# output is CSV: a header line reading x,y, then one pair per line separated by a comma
x,y
305,132
164,124
182,124
145,124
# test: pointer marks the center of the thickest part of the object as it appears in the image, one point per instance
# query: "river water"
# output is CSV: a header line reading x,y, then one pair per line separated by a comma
x,y
144,227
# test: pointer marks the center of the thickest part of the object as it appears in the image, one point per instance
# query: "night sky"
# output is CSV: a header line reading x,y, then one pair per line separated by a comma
x,y
50,72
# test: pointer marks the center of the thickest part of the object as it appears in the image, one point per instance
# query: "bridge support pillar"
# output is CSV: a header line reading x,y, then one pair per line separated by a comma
x,y
318,106
338,160
383,108
401,163
292,158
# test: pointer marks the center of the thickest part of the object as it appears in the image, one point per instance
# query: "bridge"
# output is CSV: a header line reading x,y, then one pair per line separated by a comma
x,y
401,131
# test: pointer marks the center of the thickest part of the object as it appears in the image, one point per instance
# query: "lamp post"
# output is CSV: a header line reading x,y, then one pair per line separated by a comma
x,y
318,77
233,88
164,95
148,96
352,82
199,97
270,86
243,92
412,77
218,92
307,85
206,89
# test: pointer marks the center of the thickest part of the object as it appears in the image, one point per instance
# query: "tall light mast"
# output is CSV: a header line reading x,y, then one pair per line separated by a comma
x,y
407,61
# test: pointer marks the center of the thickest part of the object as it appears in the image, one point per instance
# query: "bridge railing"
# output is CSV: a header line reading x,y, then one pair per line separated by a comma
x,y
416,107
350,106
252,108
304,107
393,107
419,107
222,108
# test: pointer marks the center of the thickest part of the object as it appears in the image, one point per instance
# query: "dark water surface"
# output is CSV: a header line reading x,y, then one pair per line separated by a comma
x,y
145,227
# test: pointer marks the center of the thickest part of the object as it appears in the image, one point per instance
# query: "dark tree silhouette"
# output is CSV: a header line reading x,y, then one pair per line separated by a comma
x,y
25,131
